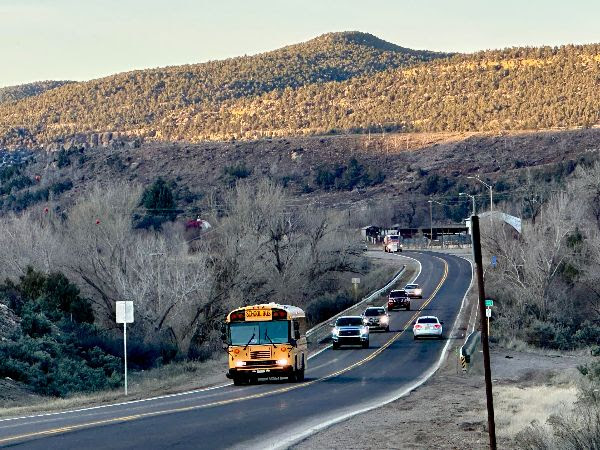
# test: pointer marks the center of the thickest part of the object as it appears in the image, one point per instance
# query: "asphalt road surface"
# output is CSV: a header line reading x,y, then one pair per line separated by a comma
x,y
338,383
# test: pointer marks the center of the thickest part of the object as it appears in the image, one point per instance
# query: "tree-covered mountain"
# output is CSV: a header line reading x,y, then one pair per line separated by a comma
x,y
14,93
339,82
145,102
512,89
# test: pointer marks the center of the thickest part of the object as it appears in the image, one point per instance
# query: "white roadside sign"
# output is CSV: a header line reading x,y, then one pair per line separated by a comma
x,y
125,312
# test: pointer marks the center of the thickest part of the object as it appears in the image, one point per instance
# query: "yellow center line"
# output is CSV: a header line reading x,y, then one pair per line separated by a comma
x,y
239,399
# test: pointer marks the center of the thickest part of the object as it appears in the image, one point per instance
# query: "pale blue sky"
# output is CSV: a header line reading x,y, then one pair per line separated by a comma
x,y
85,39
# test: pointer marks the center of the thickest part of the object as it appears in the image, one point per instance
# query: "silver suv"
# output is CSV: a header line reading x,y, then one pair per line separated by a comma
x,y
349,330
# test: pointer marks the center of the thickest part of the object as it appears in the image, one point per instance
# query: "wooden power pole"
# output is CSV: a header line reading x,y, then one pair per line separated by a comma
x,y
476,236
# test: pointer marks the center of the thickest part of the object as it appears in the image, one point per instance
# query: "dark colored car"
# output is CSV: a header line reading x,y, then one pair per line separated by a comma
x,y
376,318
398,299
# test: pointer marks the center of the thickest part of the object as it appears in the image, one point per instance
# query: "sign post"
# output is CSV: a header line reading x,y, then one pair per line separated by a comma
x,y
355,283
488,312
125,316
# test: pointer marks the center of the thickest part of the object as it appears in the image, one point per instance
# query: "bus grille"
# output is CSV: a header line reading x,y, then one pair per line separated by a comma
x,y
260,354
259,364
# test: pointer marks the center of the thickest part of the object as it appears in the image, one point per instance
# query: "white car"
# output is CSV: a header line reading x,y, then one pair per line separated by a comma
x,y
413,291
427,326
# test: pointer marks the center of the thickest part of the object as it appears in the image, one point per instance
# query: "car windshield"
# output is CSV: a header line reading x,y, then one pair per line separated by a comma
x,y
275,332
374,312
395,294
427,320
394,238
348,322
412,286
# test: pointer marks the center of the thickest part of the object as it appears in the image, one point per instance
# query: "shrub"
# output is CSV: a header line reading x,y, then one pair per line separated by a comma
x,y
326,306
348,177
63,159
60,187
159,201
234,173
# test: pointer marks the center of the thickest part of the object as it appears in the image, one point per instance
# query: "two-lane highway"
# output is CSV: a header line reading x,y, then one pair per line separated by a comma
x,y
270,414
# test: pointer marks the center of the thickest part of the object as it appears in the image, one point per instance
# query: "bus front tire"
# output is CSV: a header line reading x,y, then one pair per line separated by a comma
x,y
237,381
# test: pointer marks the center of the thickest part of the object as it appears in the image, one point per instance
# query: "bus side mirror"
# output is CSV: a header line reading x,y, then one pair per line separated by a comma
x,y
225,346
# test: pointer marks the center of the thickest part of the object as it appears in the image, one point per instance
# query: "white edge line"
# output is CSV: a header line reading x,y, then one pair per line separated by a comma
x,y
294,439
130,402
195,391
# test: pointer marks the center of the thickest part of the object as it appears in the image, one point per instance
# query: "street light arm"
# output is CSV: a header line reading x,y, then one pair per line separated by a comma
x,y
481,181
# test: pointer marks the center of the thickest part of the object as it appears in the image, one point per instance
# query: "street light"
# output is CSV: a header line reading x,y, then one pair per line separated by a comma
x,y
489,187
460,194
431,202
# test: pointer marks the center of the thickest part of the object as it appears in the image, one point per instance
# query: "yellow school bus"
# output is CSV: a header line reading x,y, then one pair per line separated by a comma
x,y
266,341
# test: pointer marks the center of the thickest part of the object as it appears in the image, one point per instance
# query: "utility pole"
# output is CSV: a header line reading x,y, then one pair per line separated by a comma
x,y
484,329
487,186
460,194
430,222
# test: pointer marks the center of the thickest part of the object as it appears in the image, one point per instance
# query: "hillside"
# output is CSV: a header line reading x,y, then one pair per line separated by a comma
x,y
516,89
14,93
152,103
394,176
340,82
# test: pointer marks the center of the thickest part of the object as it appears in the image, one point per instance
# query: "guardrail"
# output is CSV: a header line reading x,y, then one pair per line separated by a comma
x,y
468,348
368,298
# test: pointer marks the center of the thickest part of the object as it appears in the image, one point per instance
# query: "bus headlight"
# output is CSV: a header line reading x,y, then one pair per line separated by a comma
x,y
282,362
240,363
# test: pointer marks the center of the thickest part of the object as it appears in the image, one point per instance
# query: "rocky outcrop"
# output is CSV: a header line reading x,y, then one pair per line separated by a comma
x,y
9,322
94,140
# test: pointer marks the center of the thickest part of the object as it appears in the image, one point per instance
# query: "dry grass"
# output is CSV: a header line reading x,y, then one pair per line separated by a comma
x,y
169,379
518,407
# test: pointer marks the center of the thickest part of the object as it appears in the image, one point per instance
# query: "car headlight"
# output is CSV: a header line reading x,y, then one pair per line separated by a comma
x,y
364,330
365,320
384,319
335,332
418,291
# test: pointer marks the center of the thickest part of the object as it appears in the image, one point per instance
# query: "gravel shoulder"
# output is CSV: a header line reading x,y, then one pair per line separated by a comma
x,y
449,411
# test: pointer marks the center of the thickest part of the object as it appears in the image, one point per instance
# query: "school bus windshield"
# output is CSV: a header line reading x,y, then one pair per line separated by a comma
x,y
271,332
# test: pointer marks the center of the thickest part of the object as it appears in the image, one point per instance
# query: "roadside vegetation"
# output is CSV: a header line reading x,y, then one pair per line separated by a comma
x,y
576,427
65,271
